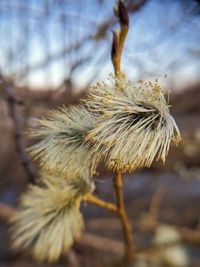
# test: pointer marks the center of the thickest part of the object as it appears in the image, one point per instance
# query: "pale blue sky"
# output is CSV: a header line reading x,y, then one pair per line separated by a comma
x,y
163,40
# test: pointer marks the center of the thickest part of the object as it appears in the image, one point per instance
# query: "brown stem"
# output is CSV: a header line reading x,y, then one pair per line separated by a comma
x,y
118,183
115,53
96,201
117,47
120,211
119,38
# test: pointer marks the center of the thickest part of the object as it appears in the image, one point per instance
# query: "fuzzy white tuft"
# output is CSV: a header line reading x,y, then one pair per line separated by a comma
x,y
49,219
62,143
134,125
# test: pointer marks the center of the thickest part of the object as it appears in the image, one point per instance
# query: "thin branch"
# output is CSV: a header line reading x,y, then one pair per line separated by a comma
x,y
56,56
123,216
155,203
110,224
188,236
96,201
119,37
102,243
6,212
72,258
13,102
94,241
117,47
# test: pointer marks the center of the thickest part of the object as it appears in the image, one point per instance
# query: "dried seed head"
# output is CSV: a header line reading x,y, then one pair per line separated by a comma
x,y
49,219
134,124
62,143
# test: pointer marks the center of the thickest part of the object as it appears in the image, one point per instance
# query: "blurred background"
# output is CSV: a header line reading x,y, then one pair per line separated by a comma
x,y
50,52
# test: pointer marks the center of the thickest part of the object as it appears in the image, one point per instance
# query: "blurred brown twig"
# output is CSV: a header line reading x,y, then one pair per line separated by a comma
x,y
188,236
13,101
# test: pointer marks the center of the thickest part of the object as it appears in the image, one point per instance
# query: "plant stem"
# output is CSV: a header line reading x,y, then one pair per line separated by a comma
x,y
116,53
96,201
126,226
119,209
119,38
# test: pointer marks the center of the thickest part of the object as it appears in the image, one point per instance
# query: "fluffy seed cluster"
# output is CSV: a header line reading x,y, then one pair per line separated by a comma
x,y
62,144
49,220
128,126
134,125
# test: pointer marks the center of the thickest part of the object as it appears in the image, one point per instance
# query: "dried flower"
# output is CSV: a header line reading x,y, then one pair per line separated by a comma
x,y
134,125
49,219
62,143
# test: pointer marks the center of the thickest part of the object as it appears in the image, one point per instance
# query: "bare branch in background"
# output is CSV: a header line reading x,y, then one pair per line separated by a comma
x,y
188,236
51,58
78,63
6,212
76,35
13,101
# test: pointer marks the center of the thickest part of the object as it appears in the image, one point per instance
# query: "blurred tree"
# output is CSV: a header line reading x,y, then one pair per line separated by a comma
x,y
47,42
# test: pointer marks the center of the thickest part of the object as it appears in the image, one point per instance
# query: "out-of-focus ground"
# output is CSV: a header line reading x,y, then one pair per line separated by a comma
x,y
163,195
